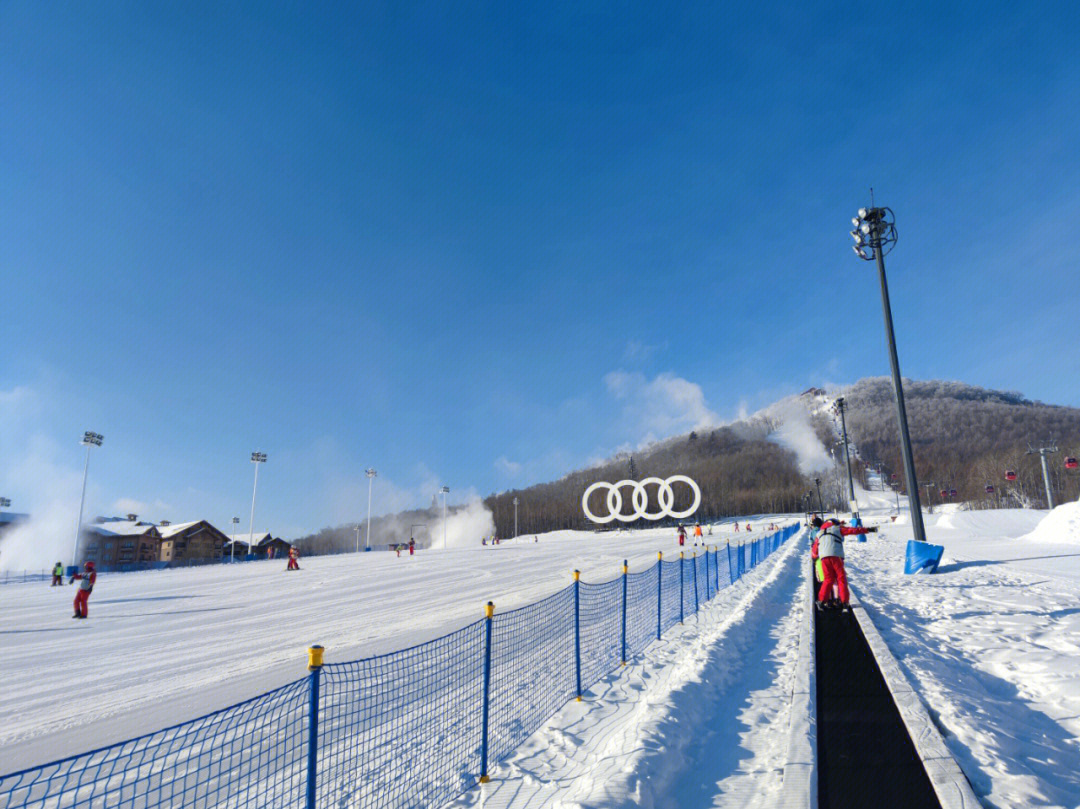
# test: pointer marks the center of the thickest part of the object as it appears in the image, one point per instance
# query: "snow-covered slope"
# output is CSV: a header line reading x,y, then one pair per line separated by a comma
x,y
161,647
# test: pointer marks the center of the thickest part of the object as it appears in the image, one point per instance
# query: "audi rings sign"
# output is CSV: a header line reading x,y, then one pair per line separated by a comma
x,y
640,499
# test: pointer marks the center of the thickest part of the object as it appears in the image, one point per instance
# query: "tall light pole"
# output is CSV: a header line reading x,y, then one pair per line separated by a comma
x,y
1042,453
515,517
89,440
356,528
821,506
232,547
445,490
841,406
929,498
256,458
371,474
875,231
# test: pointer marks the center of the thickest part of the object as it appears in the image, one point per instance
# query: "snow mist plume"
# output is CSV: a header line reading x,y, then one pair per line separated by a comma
x,y
464,526
47,536
796,434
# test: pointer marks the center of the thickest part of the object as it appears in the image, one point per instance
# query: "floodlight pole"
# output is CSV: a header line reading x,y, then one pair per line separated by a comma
x,y
841,405
821,505
89,440
444,491
929,498
515,518
877,224
232,546
371,473
256,458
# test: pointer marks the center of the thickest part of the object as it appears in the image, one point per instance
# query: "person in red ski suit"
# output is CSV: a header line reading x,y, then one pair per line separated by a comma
x,y
682,536
829,547
412,546
293,556
86,581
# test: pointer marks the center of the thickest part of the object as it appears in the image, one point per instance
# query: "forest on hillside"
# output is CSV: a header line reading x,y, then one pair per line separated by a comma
x,y
965,438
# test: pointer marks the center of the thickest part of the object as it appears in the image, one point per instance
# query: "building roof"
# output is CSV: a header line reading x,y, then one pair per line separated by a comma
x,y
121,528
174,528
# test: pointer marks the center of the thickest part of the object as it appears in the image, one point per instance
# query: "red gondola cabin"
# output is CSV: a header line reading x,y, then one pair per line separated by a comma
x,y
952,492
943,494
1071,463
1010,475
989,489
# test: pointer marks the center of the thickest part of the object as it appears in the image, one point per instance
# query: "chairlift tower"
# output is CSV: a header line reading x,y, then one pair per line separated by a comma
x,y
1042,453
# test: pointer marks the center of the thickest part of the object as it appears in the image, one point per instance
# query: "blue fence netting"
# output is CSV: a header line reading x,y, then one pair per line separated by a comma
x,y
414,727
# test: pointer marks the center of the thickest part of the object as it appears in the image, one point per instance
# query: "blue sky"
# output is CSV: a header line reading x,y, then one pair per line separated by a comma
x,y
479,246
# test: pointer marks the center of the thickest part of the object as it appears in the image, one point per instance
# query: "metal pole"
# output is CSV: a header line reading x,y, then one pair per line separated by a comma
x,y
367,537
515,518
821,506
82,501
251,524
842,405
914,507
1046,479
232,546
444,520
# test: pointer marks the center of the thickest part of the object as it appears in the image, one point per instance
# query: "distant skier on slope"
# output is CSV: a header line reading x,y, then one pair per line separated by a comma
x,y
294,556
681,535
412,546
57,575
697,533
86,581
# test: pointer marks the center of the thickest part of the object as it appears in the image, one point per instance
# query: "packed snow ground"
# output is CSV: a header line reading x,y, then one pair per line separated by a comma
x,y
161,647
991,642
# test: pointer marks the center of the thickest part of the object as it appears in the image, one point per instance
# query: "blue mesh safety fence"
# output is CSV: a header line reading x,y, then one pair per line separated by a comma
x,y
669,594
402,729
601,629
249,755
532,669
640,611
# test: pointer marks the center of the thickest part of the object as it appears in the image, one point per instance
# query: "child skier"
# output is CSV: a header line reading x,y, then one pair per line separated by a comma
x,y
294,555
57,575
697,533
86,581
682,536
412,546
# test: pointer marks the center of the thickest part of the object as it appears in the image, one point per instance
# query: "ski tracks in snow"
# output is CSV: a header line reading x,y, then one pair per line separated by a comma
x,y
700,721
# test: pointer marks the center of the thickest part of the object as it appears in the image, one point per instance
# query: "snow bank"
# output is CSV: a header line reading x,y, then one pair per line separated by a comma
x,y
1062,525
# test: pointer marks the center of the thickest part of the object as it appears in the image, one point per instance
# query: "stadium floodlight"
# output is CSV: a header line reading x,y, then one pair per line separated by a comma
x,y
256,458
856,221
880,225
371,474
4,502
232,547
89,440
445,490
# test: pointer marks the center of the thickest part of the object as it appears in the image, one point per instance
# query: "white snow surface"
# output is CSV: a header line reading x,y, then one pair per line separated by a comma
x,y
1060,525
991,643
162,647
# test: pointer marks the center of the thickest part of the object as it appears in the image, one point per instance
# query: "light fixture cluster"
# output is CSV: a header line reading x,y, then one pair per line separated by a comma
x,y
875,229
92,439
258,457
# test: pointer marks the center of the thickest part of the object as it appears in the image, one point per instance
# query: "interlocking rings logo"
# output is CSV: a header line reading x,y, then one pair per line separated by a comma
x,y
640,499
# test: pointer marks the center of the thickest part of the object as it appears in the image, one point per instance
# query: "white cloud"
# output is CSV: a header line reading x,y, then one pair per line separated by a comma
x,y
663,406
507,467
147,511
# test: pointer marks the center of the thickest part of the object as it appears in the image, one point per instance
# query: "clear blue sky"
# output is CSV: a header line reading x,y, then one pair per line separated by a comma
x,y
481,245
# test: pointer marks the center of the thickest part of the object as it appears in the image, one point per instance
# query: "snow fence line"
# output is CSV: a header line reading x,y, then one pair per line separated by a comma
x,y
950,784
800,788
415,727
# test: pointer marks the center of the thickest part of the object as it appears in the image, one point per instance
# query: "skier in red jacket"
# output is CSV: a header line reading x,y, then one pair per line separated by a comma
x,y
86,581
293,556
829,547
